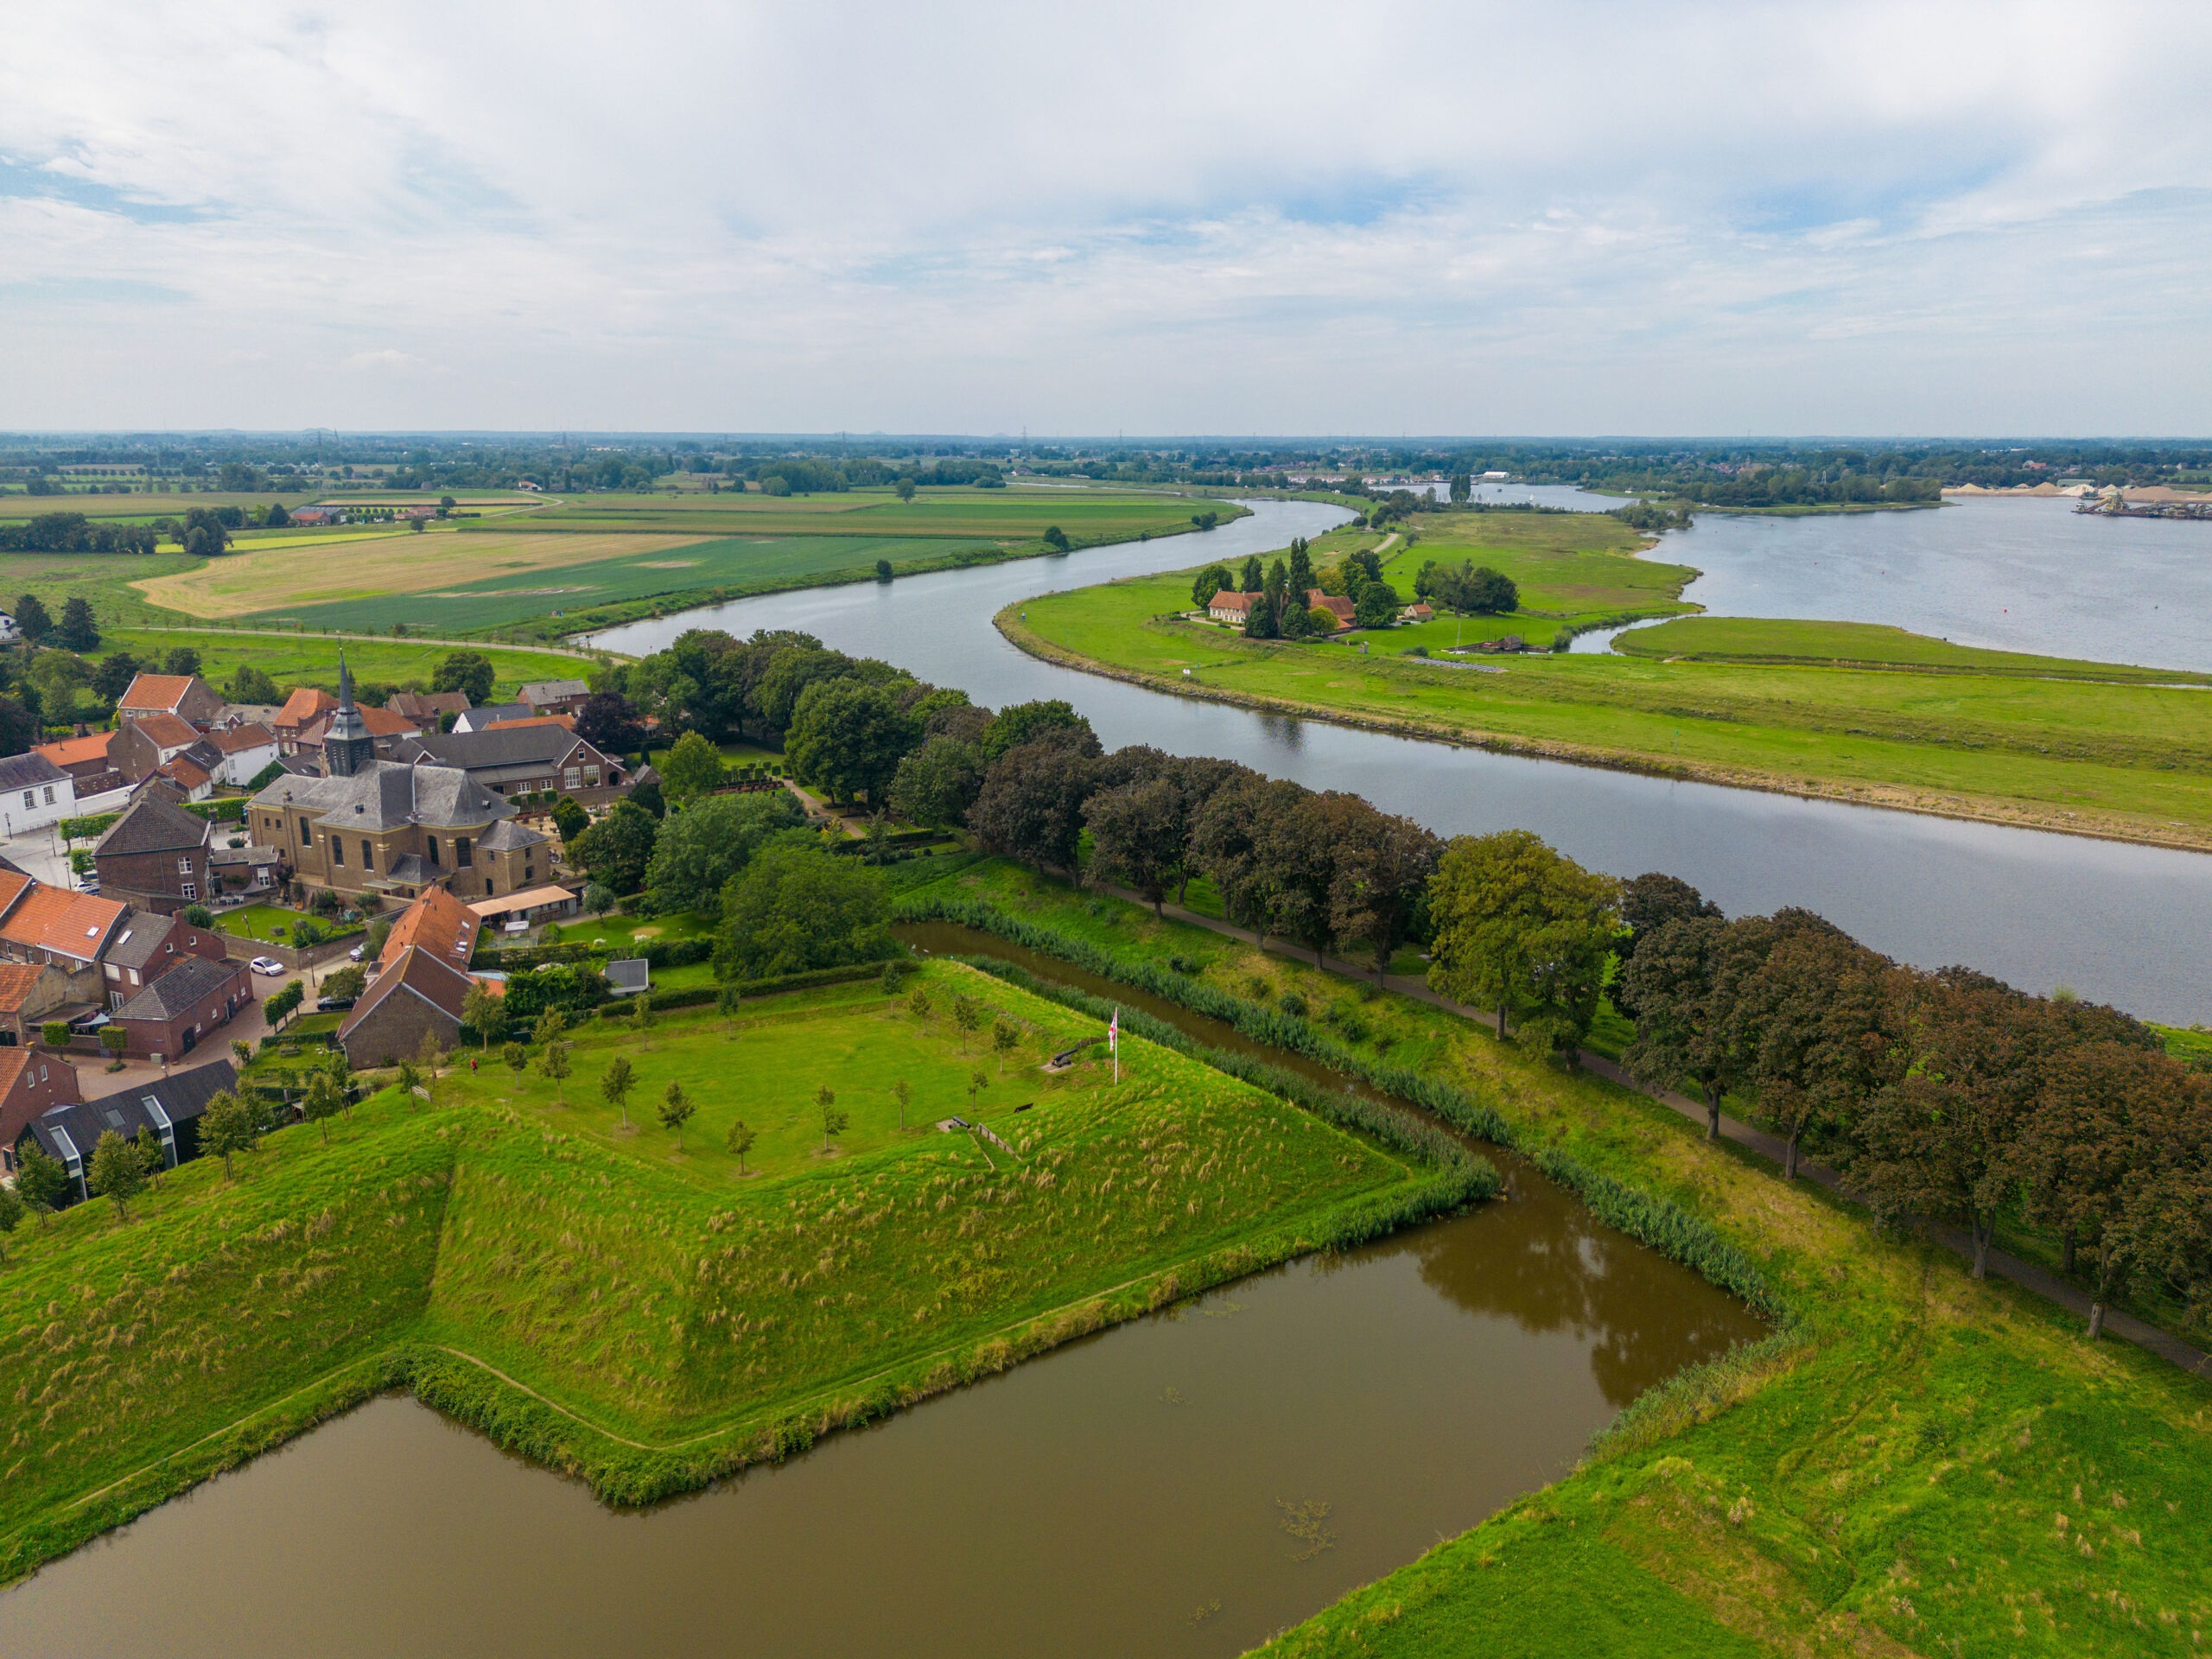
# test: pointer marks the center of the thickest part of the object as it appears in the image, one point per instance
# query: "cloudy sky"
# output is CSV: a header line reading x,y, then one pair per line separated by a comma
x,y
1653,216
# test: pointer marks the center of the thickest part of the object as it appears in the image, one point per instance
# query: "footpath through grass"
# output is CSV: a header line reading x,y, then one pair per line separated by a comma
x,y
2129,759
1925,1465
663,1318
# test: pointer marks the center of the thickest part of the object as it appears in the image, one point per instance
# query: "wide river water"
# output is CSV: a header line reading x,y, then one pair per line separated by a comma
x,y
2119,923
1184,1485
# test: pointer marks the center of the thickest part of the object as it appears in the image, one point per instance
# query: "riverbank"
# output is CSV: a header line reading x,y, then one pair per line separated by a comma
x,y
481,1253
1885,1480
2101,759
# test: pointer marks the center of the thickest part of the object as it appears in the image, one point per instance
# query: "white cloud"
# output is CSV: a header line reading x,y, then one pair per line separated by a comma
x,y
1591,217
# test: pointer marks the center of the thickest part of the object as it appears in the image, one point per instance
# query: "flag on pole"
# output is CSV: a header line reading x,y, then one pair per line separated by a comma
x,y
1113,1042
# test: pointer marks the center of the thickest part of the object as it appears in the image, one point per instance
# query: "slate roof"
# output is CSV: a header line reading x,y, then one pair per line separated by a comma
x,y
440,924
152,824
68,924
386,795
140,938
498,746
417,972
543,691
428,705
23,770
249,857
510,835
180,991
492,712
182,1096
156,692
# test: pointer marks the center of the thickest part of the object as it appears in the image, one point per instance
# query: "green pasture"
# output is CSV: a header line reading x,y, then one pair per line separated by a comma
x,y
291,658
1852,645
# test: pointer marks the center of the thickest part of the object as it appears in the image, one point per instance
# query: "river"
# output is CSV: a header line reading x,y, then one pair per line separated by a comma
x,y
2117,923
1183,1485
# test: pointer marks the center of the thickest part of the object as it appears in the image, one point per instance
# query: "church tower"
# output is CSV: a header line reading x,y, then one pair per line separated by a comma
x,y
347,747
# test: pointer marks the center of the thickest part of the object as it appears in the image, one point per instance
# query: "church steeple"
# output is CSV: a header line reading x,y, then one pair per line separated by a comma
x,y
346,746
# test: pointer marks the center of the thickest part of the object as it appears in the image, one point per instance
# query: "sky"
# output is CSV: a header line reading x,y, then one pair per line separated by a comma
x,y
1567,219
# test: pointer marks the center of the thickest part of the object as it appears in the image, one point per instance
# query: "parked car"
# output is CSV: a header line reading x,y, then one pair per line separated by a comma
x,y
354,955
267,965
333,1004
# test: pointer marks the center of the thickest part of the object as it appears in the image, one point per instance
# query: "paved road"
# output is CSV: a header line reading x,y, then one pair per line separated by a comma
x,y
2025,1274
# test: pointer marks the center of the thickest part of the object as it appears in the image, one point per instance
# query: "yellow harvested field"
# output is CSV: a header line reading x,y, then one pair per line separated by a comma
x,y
262,578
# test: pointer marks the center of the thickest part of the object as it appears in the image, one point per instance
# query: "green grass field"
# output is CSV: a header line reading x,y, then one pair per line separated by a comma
x,y
273,924
657,1295
1892,1480
312,658
623,931
1850,644
2110,756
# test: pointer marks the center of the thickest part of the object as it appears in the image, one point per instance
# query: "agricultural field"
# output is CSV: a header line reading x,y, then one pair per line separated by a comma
x,y
1887,1474
658,1297
2107,757
312,658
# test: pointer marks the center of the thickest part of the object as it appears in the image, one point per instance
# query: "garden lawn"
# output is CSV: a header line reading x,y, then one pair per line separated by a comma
x,y
2127,759
623,933
1926,1464
272,923
655,1295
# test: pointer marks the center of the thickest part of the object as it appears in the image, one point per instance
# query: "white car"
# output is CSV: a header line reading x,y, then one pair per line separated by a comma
x,y
267,965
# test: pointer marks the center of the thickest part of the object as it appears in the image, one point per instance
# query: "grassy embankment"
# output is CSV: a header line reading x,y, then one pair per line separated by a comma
x,y
647,1318
1925,1465
1924,727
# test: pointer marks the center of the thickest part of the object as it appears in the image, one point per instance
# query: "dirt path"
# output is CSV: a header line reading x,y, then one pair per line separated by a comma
x,y
2026,1275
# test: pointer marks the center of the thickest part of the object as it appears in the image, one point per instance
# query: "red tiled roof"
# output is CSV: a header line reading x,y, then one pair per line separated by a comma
x,y
1229,601
566,722
166,730
438,922
16,979
75,751
251,735
188,773
68,924
156,692
303,705
380,722
1335,604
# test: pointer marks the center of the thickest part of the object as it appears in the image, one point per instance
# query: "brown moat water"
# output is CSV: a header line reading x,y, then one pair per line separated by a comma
x,y
1186,1485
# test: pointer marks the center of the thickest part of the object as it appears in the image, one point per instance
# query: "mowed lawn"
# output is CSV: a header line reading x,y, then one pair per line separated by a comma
x,y
273,924
2130,757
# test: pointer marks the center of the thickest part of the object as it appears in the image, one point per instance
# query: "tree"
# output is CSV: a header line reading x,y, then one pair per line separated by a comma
x,y
1517,924
1378,895
739,1141
469,672
1648,903
43,1181
78,631
517,1058
115,671
849,736
197,915
617,850
615,1084
797,908
904,489
1004,1038
1462,486
32,620
147,1146
968,1016
833,1121
325,1099
1048,719
1031,804
1377,606
903,1092
12,1216
1300,580
641,1010
482,1010
883,572
279,1003
553,1065
676,1110
54,1034
977,1084
1260,622
1296,850
250,684
1225,844
346,983
430,1057
1250,578
181,661
1808,1021
938,782
608,721
114,1039
2119,1161
571,820
699,849
1208,582
229,1126
693,767
1056,538
1141,834
117,1173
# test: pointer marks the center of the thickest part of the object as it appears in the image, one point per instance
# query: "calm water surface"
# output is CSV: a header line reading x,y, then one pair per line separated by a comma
x,y
2127,925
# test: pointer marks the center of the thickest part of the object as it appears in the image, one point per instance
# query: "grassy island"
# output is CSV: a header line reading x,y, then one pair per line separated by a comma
x,y
649,1315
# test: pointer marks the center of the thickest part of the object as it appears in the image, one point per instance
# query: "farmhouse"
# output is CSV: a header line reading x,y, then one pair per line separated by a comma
x,y
1419,611
1227,607
555,697
186,697
1335,605
155,855
34,793
391,829
171,1107
196,996
31,1084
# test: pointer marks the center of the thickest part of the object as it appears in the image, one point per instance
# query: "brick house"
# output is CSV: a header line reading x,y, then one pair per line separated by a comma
x,y
171,1107
86,761
301,710
34,793
248,870
170,1017
193,772
183,697
429,708
71,931
493,714
1335,605
526,758
147,945
555,697
416,995
156,856
146,743
437,923
30,993
31,1084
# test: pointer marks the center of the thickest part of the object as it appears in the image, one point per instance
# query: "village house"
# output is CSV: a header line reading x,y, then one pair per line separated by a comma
x,y
171,1107
381,829
86,761
34,793
1233,607
1419,611
148,945
417,996
437,923
192,772
249,869
429,708
196,996
146,743
30,993
184,697
491,714
525,759
555,697
71,931
300,710
1335,605
246,750
156,856
31,1084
